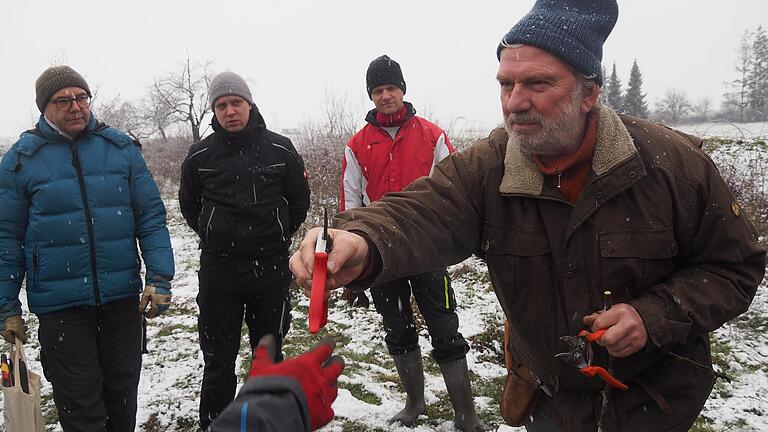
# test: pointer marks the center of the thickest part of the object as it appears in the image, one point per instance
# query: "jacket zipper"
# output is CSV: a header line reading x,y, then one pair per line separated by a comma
x,y
88,219
208,224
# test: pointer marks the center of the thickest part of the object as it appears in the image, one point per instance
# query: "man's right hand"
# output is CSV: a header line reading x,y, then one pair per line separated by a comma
x,y
346,261
14,327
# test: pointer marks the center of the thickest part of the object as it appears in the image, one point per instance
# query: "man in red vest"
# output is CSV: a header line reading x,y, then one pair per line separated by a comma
x,y
394,148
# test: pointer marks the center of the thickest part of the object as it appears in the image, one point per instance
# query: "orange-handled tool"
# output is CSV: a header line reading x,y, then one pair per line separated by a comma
x,y
580,355
318,304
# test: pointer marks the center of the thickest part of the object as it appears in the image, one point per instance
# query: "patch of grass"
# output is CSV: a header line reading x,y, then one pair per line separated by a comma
x,y
152,424
724,391
354,426
441,410
177,310
377,358
190,382
721,354
737,425
431,366
187,423
169,329
490,342
470,273
752,323
489,387
387,377
703,424
359,392
48,407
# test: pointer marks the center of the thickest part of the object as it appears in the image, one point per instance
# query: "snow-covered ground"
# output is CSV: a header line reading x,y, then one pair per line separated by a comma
x,y
369,394
723,129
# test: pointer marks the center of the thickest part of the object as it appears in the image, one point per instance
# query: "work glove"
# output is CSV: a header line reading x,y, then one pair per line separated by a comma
x,y
14,327
316,370
356,299
158,299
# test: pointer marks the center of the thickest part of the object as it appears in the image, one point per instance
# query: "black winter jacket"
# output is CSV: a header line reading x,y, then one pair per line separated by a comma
x,y
244,193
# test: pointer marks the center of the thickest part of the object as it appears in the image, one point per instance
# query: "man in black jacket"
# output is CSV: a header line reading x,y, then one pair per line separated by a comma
x,y
244,191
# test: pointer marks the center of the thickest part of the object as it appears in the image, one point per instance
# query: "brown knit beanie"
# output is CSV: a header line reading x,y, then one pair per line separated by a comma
x,y
54,79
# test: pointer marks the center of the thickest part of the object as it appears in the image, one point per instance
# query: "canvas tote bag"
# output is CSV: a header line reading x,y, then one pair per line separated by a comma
x,y
22,410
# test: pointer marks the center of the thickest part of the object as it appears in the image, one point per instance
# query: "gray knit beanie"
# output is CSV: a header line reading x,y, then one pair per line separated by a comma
x,y
228,83
54,79
573,30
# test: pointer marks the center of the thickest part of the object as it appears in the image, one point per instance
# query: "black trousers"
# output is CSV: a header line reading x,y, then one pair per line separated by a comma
x,y
231,290
92,357
437,303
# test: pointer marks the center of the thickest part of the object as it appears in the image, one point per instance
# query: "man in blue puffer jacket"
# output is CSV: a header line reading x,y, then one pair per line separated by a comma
x,y
76,196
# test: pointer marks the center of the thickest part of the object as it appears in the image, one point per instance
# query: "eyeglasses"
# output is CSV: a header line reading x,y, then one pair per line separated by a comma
x,y
65,103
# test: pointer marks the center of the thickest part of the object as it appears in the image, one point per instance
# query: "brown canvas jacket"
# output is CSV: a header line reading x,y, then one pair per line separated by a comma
x,y
655,224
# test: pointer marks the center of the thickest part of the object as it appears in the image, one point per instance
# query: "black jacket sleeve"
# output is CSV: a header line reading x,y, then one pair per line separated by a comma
x,y
190,191
297,189
266,404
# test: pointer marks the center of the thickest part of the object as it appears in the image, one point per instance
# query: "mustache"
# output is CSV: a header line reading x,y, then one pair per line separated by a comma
x,y
528,117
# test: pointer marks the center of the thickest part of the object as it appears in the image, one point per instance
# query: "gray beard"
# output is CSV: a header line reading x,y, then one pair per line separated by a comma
x,y
558,136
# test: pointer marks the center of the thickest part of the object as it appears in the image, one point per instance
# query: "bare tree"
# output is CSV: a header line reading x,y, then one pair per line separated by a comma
x,y
673,107
322,145
130,117
161,114
182,96
703,109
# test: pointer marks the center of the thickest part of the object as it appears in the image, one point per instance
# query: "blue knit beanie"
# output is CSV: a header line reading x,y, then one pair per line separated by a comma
x,y
573,30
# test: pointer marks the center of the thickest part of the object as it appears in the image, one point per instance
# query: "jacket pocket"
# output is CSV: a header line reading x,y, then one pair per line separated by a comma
x,y
268,184
520,265
643,257
217,228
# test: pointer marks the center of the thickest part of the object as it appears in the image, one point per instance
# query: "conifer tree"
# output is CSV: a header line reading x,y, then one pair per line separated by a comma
x,y
757,78
634,99
613,93
736,99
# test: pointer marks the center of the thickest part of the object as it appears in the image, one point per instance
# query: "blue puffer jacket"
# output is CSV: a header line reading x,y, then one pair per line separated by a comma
x,y
70,215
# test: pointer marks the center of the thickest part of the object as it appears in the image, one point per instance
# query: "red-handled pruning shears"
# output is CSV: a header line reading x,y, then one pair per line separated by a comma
x,y
580,355
318,304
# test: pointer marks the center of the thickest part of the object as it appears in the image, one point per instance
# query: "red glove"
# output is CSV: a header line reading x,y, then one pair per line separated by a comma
x,y
316,371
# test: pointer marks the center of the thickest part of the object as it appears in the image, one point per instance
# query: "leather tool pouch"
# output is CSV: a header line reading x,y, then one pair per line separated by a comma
x,y
519,398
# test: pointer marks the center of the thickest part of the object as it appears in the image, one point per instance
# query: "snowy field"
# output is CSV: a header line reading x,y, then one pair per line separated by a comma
x,y
369,394
730,130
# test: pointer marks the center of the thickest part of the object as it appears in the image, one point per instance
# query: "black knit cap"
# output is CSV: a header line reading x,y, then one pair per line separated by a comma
x,y
383,70
54,79
573,30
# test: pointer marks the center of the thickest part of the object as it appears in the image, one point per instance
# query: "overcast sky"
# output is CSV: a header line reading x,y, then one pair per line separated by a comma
x,y
295,53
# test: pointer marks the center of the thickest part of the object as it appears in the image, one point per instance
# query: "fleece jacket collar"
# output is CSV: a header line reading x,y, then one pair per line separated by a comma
x,y
613,146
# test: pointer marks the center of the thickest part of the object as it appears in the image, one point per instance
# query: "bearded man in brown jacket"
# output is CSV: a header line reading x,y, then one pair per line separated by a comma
x,y
568,200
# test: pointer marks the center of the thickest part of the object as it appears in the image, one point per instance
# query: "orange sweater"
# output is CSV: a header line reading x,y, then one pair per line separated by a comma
x,y
568,173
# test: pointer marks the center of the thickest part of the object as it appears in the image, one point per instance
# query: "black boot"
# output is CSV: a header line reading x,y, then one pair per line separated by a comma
x,y
456,378
411,373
